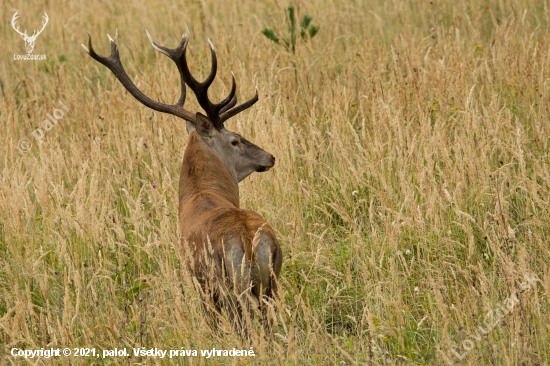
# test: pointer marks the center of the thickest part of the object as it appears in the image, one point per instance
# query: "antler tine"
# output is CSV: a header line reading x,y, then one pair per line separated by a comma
x,y
230,113
220,112
230,100
174,55
113,63
193,83
229,105
214,69
201,88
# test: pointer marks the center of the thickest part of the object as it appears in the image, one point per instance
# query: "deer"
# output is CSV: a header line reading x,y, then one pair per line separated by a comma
x,y
29,40
232,253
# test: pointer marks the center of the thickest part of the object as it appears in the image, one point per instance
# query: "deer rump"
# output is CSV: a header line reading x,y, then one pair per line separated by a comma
x,y
240,257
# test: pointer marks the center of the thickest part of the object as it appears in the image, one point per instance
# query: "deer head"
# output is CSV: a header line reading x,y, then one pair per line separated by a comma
x,y
29,40
240,156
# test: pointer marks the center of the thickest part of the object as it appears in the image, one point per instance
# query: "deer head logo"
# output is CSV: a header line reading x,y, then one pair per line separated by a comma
x,y
29,40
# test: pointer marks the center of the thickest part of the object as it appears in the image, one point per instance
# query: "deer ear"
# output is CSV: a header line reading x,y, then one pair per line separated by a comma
x,y
190,126
203,125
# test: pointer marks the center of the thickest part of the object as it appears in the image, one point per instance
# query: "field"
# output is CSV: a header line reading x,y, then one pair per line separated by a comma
x,y
410,194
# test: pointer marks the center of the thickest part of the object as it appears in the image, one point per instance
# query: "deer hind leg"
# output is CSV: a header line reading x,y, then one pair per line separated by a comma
x,y
211,305
262,279
236,312
240,301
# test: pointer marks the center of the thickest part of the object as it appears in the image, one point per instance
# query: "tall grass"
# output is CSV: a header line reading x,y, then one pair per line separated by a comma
x,y
410,194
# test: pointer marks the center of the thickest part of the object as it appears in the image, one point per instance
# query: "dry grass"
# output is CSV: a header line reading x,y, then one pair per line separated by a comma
x,y
410,195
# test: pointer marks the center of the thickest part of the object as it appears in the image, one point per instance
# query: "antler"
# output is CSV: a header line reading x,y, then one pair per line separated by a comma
x,y
113,63
13,20
34,35
217,113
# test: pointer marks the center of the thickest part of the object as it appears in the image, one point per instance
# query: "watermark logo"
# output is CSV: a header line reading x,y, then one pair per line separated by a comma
x,y
501,311
25,144
29,40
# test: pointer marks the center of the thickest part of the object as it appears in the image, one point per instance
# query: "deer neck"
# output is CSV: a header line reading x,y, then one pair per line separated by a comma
x,y
204,175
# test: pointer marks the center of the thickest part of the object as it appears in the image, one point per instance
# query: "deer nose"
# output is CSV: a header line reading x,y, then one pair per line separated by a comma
x,y
273,159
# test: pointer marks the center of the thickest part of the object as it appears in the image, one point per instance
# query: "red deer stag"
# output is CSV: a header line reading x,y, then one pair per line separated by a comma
x,y
234,254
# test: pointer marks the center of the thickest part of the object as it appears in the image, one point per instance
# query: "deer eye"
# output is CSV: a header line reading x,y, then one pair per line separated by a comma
x,y
234,142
